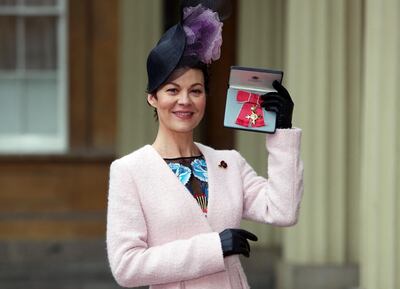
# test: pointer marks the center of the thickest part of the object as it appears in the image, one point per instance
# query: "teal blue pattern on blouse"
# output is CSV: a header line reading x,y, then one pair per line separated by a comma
x,y
182,172
199,167
184,169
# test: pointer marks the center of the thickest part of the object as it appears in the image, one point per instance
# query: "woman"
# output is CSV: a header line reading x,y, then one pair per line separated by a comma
x,y
175,206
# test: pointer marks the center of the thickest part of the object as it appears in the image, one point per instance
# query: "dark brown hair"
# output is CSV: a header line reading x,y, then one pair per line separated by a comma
x,y
188,62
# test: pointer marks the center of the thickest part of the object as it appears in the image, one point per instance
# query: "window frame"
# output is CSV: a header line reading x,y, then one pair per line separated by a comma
x,y
57,143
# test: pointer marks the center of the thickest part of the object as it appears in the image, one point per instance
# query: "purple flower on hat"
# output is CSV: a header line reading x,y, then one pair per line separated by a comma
x,y
203,33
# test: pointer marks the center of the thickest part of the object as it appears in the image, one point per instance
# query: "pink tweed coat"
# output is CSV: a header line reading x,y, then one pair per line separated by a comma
x,y
157,234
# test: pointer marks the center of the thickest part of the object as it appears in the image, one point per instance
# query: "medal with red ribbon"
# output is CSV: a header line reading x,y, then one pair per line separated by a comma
x,y
251,113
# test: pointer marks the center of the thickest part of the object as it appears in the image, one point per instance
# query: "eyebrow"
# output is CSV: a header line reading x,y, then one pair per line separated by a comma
x,y
194,84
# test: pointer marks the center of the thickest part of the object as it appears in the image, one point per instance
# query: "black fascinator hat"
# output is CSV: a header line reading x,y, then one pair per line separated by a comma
x,y
198,35
165,56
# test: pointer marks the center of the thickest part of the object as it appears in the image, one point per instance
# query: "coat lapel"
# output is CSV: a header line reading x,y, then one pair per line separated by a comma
x,y
181,194
216,175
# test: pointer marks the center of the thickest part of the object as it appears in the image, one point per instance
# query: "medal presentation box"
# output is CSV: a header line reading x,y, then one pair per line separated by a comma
x,y
243,101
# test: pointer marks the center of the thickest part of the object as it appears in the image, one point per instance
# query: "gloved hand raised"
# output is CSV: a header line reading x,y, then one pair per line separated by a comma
x,y
234,241
281,103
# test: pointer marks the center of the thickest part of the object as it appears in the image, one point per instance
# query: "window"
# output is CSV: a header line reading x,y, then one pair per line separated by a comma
x,y
33,76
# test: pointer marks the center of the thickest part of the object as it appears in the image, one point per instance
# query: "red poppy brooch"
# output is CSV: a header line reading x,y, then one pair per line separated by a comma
x,y
223,164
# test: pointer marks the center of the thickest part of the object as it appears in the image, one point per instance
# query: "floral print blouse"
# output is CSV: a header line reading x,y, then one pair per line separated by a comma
x,y
192,173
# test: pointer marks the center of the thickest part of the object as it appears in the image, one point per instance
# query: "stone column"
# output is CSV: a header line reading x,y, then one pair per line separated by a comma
x,y
140,29
380,170
315,66
322,63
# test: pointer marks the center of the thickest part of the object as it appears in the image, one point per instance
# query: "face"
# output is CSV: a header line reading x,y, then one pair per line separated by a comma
x,y
180,102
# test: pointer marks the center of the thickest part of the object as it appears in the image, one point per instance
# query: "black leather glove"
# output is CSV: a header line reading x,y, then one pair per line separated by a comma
x,y
234,241
281,103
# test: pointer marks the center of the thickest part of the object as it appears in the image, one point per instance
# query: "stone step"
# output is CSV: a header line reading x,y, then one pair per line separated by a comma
x,y
77,264
60,284
42,252
81,271
84,265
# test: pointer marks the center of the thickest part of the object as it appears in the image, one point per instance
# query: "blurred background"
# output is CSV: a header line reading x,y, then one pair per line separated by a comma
x,y
72,99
